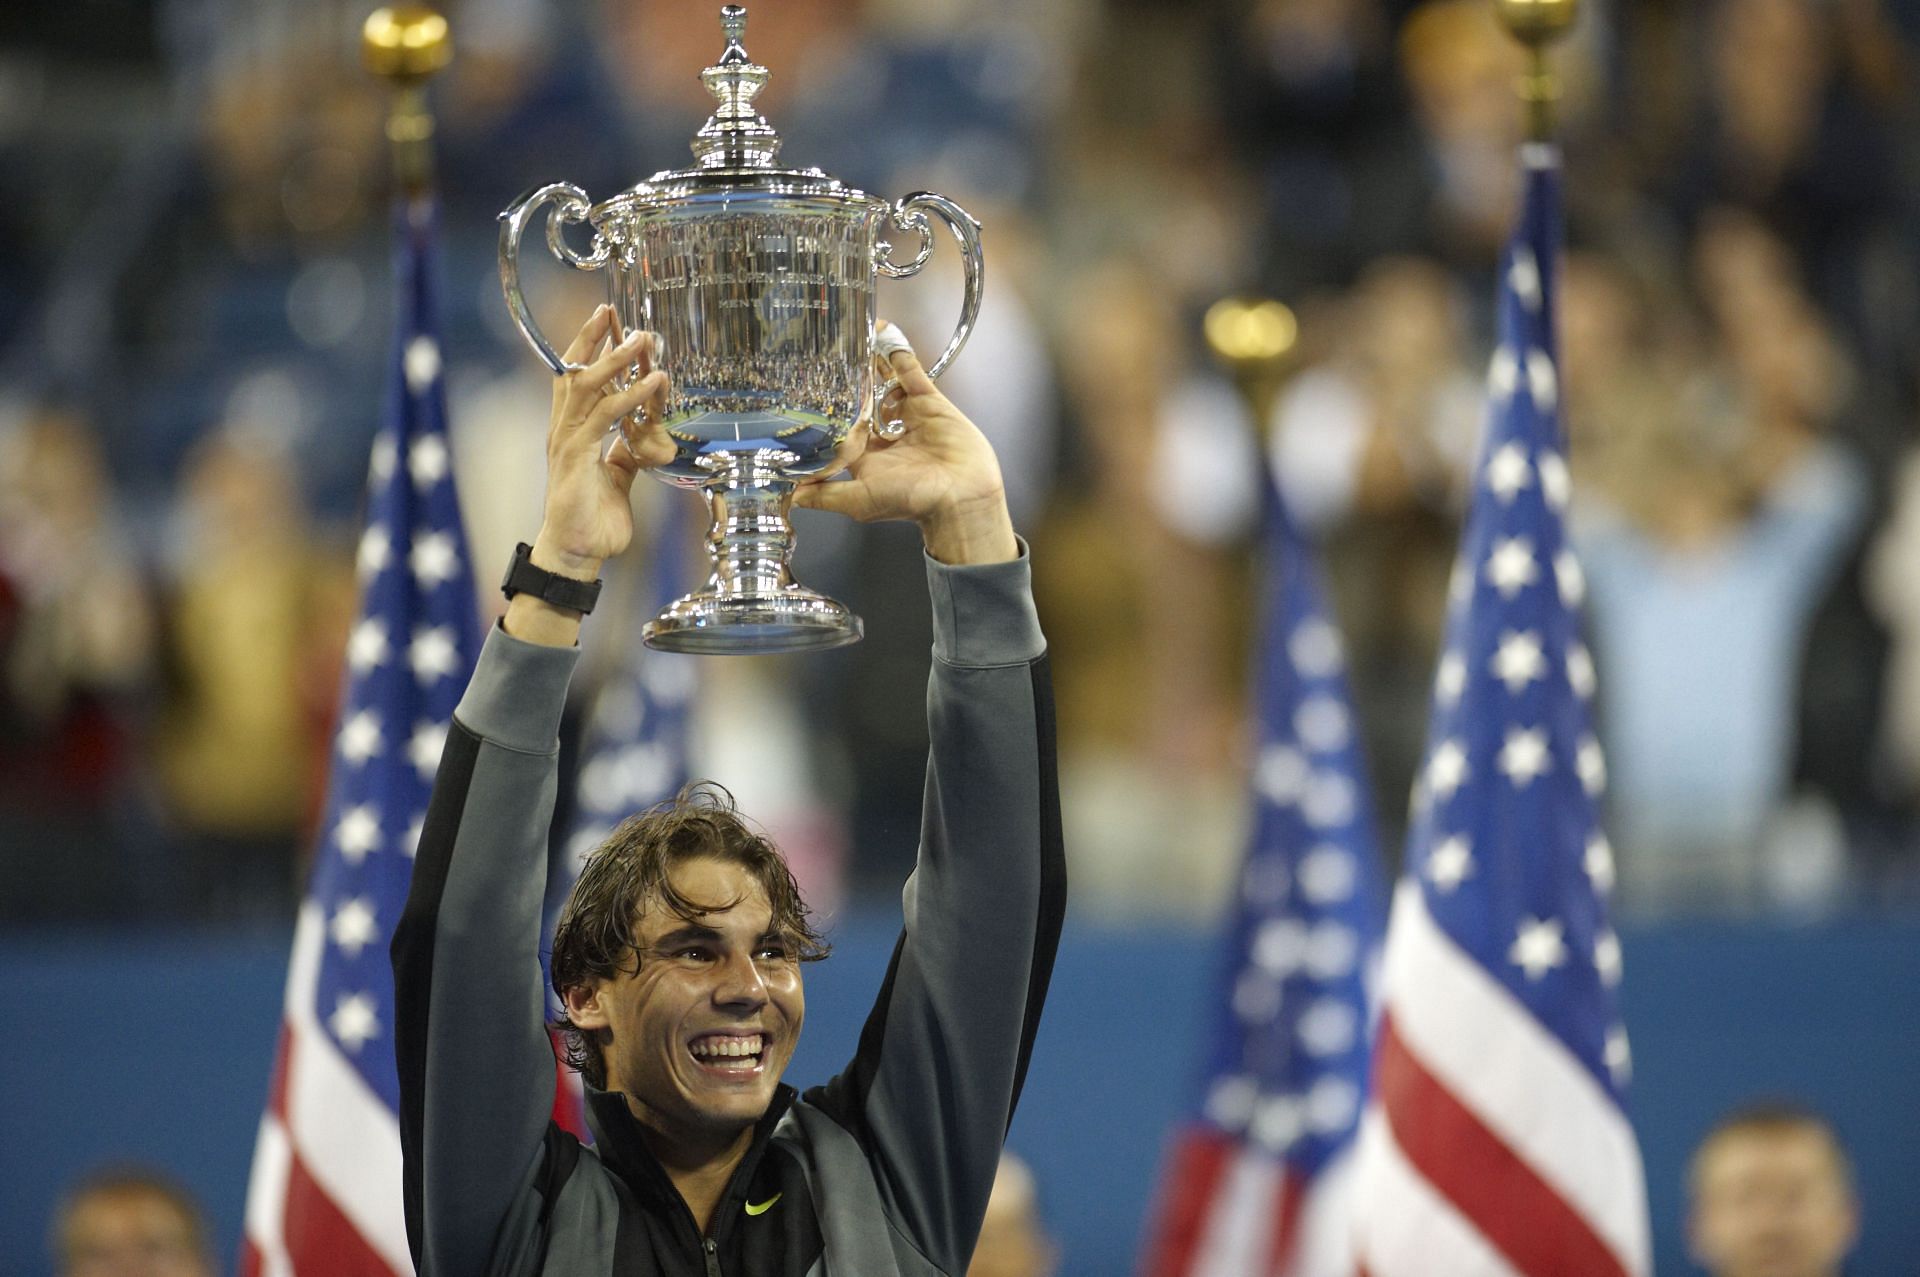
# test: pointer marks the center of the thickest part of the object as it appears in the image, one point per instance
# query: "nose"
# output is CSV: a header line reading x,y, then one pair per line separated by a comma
x,y
740,984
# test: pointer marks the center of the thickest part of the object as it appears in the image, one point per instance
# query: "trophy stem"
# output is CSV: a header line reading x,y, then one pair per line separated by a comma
x,y
751,603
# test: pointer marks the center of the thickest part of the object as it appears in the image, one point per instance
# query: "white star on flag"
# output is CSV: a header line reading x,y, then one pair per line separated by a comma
x,y
383,460
422,362
1503,374
1329,800
1508,472
353,927
1331,1103
1591,765
1279,1123
427,461
1543,384
1447,769
1523,276
1606,958
367,645
1328,1027
1279,946
1619,1055
1450,679
1524,758
376,551
1460,582
1231,1101
424,748
1321,722
358,832
1511,567
1539,947
1573,582
1598,863
434,559
1282,774
1450,863
361,738
1580,675
432,654
353,1021
1519,660
1327,875
1556,485
1315,648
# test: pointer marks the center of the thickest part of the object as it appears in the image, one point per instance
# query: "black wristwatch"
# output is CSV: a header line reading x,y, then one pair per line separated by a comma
x,y
523,577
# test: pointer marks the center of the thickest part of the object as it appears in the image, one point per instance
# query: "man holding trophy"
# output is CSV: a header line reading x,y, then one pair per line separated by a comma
x,y
678,958
741,358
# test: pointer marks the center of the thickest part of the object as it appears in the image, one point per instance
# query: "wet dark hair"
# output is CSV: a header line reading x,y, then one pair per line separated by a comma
x,y
597,938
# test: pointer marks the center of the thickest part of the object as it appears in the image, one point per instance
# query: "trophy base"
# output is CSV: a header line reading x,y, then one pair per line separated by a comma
x,y
794,620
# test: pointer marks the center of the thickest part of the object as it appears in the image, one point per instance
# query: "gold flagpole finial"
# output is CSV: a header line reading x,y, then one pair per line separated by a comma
x,y
406,44
1537,24
1255,338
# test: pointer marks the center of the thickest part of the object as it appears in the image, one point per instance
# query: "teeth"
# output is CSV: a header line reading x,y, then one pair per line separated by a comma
x,y
728,1047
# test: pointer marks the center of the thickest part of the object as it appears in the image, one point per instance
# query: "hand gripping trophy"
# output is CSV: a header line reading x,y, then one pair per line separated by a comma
x,y
759,284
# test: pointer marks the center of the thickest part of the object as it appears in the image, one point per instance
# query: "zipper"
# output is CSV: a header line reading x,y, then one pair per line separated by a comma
x,y
713,1257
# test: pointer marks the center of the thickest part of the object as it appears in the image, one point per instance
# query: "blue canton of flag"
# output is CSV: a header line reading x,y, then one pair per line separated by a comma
x,y
1258,1184
409,657
1506,838
1496,1140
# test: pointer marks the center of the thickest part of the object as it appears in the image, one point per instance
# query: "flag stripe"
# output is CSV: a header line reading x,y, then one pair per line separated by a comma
x,y
1200,1159
1475,1170
346,1138
1411,1231
1238,1237
1517,1079
317,1230
265,1253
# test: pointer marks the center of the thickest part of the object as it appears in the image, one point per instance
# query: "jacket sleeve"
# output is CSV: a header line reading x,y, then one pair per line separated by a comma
x,y
933,1085
476,1065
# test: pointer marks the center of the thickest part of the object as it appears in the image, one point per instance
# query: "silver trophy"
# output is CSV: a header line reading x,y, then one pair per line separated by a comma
x,y
760,282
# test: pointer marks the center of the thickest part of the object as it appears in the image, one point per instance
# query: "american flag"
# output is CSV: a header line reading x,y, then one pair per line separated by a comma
x,y
1257,1183
325,1192
1496,1141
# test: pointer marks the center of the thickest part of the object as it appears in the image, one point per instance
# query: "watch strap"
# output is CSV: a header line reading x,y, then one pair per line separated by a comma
x,y
525,577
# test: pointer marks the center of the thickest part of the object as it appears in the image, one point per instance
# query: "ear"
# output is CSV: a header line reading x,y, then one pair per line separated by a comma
x,y
585,1007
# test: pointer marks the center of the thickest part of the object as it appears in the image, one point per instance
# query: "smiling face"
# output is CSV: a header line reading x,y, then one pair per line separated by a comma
x,y
698,1034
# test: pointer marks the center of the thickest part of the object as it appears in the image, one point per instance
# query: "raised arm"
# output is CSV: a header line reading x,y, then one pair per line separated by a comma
x,y
476,1065
938,1071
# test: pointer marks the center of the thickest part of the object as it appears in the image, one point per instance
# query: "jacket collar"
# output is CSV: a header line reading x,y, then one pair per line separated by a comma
x,y
621,1142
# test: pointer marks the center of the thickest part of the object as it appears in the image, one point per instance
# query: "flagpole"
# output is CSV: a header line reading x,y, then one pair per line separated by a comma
x,y
405,45
1538,24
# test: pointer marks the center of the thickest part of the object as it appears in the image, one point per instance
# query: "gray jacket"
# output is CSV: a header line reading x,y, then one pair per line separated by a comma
x,y
885,1169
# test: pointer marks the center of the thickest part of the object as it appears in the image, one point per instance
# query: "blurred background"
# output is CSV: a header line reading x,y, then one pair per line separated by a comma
x,y
195,314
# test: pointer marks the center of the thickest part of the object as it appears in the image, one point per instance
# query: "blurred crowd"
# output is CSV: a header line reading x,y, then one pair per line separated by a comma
x,y
194,319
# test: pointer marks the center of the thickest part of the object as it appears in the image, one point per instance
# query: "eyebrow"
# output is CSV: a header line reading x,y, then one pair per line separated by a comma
x,y
694,932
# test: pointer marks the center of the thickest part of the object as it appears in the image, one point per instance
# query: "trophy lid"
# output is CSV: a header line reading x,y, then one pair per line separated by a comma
x,y
734,137
735,148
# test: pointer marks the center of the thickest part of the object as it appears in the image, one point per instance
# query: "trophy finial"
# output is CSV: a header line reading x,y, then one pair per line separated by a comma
x,y
733,21
735,137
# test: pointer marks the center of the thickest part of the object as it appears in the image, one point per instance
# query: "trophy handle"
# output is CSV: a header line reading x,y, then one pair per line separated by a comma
x,y
907,216
570,205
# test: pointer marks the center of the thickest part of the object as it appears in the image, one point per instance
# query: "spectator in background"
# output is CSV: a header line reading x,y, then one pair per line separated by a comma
x,y
252,625
130,1222
1013,1237
1772,1196
1727,519
75,649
